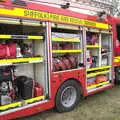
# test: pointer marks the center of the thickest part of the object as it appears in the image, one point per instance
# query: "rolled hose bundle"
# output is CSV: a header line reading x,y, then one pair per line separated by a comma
x,y
65,62
72,60
58,64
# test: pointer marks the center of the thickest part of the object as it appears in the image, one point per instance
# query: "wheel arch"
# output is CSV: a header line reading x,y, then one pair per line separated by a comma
x,y
65,82
71,79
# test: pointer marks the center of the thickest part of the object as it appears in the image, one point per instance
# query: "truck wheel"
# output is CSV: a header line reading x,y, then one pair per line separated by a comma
x,y
68,96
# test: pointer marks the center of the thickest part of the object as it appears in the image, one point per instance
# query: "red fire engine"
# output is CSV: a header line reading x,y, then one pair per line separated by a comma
x,y
51,57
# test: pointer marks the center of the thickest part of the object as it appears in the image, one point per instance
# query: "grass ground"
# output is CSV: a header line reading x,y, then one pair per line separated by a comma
x,y
101,106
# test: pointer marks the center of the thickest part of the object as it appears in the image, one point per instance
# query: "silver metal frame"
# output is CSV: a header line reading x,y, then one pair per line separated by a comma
x,y
49,56
100,56
85,49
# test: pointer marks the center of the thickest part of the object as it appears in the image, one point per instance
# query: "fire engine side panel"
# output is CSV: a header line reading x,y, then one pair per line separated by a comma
x,y
56,79
49,9
28,111
46,8
59,78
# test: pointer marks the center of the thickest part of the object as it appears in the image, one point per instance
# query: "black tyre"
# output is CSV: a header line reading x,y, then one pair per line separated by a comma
x,y
68,96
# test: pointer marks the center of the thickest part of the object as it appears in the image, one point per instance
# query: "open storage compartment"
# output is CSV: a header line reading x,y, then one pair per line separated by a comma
x,y
67,46
106,39
23,69
98,58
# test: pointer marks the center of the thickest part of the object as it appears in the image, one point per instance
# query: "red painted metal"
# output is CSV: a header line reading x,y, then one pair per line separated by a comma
x,y
59,78
50,9
28,111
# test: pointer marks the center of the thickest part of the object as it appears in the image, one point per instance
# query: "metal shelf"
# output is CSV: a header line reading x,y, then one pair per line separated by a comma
x,y
66,39
19,104
98,68
66,51
98,73
21,37
20,61
97,85
93,46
